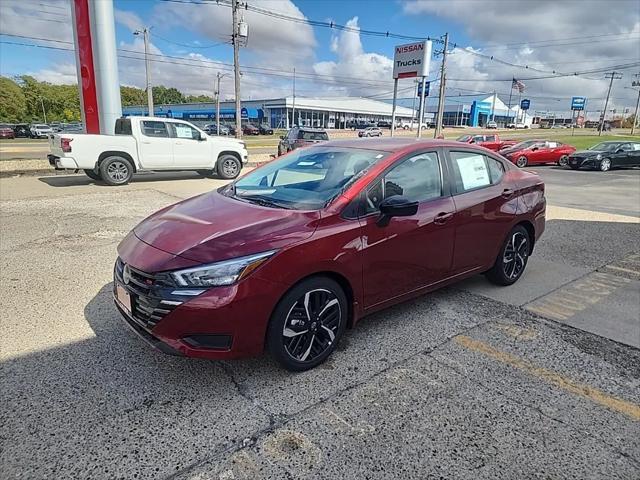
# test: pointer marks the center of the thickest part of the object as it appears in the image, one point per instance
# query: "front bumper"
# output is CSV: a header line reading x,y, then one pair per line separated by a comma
x,y
62,163
591,162
219,323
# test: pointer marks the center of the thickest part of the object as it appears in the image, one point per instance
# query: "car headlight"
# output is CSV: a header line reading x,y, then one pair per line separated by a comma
x,y
598,157
223,273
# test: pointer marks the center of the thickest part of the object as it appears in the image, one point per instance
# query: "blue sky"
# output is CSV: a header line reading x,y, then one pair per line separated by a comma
x,y
188,39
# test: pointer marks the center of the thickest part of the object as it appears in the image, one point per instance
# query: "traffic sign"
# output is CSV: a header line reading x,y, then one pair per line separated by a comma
x,y
525,103
426,88
412,60
578,103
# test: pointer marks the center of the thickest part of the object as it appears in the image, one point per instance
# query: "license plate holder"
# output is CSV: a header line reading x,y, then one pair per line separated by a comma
x,y
123,297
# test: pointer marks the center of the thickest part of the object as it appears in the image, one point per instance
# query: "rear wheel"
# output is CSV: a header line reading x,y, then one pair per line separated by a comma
x,y
512,259
228,167
116,170
307,324
93,175
563,161
522,161
605,165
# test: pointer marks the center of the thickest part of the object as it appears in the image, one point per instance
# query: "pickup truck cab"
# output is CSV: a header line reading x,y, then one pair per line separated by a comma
x,y
147,144
491,141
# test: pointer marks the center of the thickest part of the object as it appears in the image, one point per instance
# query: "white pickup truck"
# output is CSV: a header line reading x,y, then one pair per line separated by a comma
x,y
147,144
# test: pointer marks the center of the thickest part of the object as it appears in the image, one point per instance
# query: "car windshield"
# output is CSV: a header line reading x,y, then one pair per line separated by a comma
x,y
307,179
42,126
605,147
464,138
523,145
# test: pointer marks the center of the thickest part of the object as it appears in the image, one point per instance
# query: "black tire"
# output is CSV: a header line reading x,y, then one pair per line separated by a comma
x,y
605,165
522,161
574,167
504,272
93,175
116,170
563,161
313,337
228,167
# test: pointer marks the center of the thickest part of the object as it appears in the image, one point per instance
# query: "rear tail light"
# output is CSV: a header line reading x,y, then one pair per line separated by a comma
x,y
65,144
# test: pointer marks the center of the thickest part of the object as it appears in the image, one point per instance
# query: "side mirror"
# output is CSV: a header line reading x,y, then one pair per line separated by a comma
x,y
396,206
281,137
534,149
203,137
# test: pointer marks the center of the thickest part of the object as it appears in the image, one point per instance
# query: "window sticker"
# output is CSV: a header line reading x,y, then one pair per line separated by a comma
x,y
473,172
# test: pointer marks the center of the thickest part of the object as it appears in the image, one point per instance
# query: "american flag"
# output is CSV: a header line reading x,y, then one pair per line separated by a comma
x,y
517,85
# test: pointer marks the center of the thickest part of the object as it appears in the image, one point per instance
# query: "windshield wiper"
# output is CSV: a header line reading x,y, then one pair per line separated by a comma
x,y
263,201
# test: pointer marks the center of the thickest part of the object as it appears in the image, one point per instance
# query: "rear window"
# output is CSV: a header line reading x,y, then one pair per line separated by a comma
x,y
123,126
306,135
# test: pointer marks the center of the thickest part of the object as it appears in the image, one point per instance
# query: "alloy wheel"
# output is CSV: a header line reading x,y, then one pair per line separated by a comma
x,y
514,258
521,162
118,171
311,325
230,167
563,161
605,164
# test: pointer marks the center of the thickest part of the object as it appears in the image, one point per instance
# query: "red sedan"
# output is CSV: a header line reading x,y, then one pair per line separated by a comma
x,y
290,255
538,152
6,131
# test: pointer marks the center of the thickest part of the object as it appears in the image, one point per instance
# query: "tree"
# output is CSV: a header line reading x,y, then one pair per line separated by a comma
x,y
197,99
164,95
132,96
13,107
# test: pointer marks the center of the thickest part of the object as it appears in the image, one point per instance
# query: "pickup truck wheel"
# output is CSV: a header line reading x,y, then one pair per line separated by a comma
x,y
228,167
93,175
116,170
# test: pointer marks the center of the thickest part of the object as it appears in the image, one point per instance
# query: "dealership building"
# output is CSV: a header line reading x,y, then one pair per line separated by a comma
x,y
279,112
341,112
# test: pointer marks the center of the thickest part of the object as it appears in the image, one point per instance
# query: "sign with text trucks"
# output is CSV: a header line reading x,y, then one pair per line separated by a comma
x,y
412,60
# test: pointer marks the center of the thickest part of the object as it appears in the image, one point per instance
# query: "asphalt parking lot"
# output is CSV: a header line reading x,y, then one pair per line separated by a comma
x,y
537,380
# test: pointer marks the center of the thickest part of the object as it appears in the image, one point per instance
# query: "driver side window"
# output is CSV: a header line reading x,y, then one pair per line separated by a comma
x,y
417,179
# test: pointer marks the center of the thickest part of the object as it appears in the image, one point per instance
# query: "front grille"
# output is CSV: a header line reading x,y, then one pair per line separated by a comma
x,y
151,298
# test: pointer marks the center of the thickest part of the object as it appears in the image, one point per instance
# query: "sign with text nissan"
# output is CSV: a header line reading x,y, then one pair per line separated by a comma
x,y
412,60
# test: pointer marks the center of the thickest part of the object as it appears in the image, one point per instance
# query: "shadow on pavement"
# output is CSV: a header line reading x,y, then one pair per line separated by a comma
x,y
81,180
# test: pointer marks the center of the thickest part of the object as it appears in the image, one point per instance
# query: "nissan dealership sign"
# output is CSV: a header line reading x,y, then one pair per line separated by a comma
x,y
412,60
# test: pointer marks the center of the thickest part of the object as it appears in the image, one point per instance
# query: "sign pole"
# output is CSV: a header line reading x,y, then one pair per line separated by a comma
x,y
393,108
421,109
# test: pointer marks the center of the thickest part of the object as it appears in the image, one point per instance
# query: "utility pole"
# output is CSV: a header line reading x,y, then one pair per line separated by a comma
x,y
218,77
493,107
443,78
236,65
147,67
635,115
44,113
612,76
293,112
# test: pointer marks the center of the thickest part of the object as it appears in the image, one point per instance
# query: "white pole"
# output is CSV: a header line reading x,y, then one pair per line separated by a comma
x,y
148,68
393,108
421,114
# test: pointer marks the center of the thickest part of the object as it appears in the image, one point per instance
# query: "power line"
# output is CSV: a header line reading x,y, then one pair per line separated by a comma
x,y
155,35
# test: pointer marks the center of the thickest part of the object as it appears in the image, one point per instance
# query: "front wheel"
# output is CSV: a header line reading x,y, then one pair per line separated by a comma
x,y
228,167
605,165
522,161
563,161
307,324
116,170
512,259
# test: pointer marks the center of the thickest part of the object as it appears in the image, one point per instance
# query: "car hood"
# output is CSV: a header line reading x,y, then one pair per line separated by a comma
x,y
586,153
211,227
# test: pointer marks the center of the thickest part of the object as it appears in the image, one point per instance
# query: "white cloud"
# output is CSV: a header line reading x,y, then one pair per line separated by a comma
x,y
31,18
59,74
128,19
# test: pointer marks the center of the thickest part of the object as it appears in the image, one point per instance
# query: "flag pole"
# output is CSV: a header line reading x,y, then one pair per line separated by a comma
x,y
513,80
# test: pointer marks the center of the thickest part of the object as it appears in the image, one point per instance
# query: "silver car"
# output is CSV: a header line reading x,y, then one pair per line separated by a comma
x,y
370,132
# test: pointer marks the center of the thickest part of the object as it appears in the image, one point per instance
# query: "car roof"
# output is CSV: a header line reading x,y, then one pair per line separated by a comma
x,y
310,129
395,144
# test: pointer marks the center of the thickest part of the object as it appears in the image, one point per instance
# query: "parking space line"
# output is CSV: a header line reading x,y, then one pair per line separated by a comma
x,y
615,404
622,269
565,302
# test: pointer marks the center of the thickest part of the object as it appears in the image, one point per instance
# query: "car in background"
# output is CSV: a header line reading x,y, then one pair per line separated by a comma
x,y
607,155
72,128
492,125
22,130
491,141
287,257
370,132
539,152
301,137
41,130
6,131
250,129
265,129
212,129
384,124
360,125
517,126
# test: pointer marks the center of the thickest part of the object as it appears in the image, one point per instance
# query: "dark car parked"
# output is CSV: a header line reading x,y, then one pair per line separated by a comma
x,y
300,137
265,129
250,129
22,130
290,255
607,155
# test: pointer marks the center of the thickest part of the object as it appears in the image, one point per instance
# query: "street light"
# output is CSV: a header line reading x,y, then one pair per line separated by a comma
x,y
635,115
219,76
145,33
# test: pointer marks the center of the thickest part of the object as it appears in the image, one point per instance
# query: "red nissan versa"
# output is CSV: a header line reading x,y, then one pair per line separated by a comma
x,y
294,252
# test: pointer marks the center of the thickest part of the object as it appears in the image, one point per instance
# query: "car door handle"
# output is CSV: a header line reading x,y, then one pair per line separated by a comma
x,y
178,143
442,218
146,142
507,193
